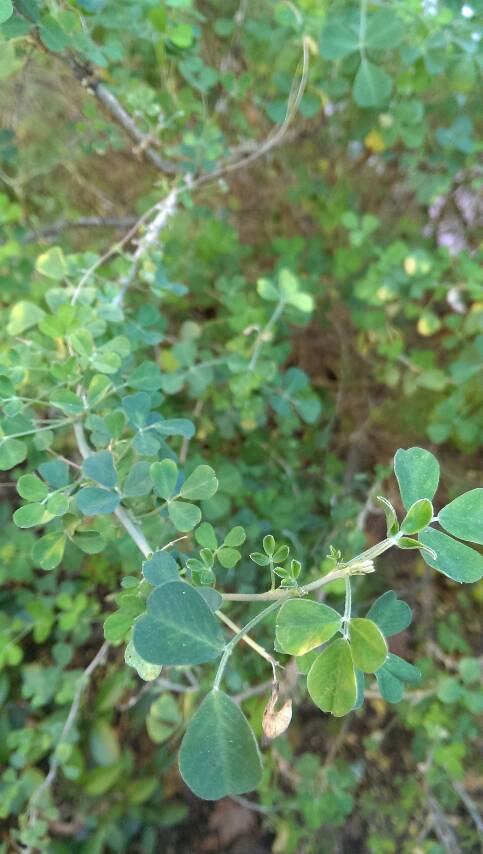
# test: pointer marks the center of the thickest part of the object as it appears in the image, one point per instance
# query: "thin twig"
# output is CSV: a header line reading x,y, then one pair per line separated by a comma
x,y
82,683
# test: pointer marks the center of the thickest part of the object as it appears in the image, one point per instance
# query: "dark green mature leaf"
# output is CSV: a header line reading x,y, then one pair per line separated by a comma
x,y
55,472
178,628
339,37
219,755
372,85
331,681
368,645
160,568
164,475
138,481
100,467
385,30
176,427
454,559
390,614
393,675
417,472
213,599
418,517
95,501
304,624
463,517
201,484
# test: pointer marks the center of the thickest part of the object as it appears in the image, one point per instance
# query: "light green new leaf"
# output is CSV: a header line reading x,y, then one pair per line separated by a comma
x,y
205,536
463,517
219,755
184,516
30,487
52,264
12,452
164,476
118,625
236,537
303,624
100,467
368,645
48,551
160,568
201,484
390,614
372,85
24,315
30,515
411,543
228,557
393,675
454,559
331,681
417,472
178,628
95,501
418,517
6,10
58,505
67,401
147,672
392,524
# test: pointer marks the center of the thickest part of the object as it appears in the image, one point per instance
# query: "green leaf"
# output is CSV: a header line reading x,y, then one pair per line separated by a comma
x,y
146,377
118,625
31,515
269,544
205,536
393,675
164,476
160,568
331,681
95,501
67,401
338,39
213,599
58,505
184,516
48,551
201,483
259,558
52,264
176,427
89,541
100,467
372,85
178,628
55,472
303,624
417,472
6,10
360,686
163,718
138,481
390,614
454,559
418,517
228,557
147,672
236,537
463,517
392,524
52,35
104,744
368,645
384,31
24,315
219,755
12,452
281,554
410,543
30,487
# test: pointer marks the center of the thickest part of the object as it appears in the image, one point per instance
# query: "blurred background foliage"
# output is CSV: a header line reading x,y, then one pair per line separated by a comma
x,y
335,141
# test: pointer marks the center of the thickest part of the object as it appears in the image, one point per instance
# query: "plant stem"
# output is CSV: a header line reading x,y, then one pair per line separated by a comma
x,y
348,607
238,637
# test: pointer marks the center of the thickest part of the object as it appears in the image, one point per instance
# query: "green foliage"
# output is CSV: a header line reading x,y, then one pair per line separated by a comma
x,y
245,358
